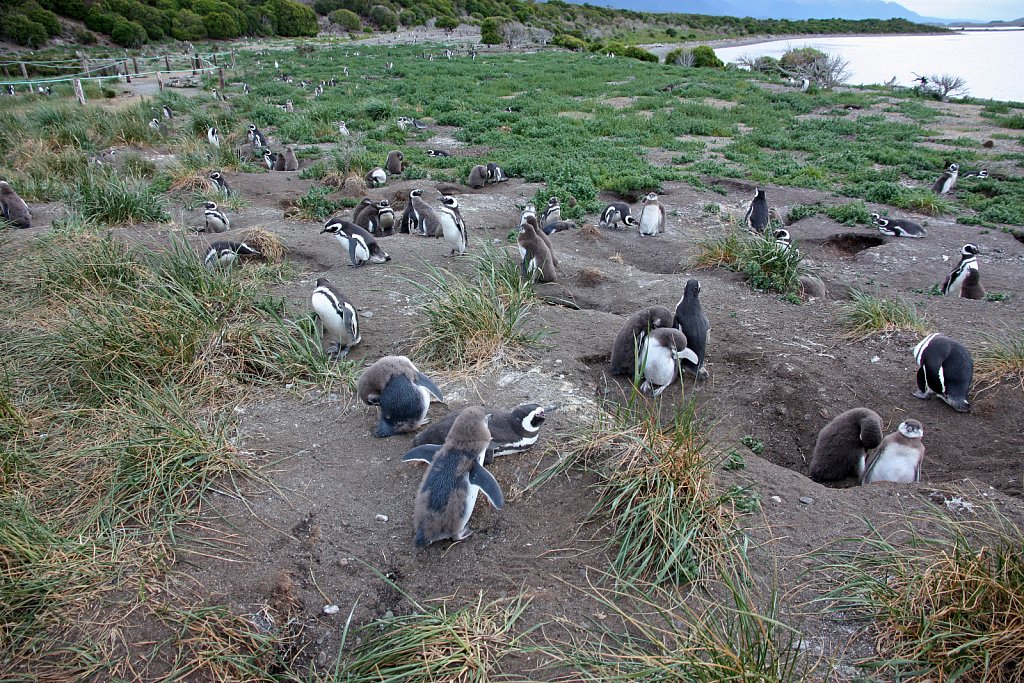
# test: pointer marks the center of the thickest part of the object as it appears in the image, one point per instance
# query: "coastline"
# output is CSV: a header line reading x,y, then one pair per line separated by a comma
x,y
661,49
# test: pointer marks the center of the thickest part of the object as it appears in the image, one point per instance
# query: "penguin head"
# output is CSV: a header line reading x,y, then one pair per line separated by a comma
x,y
759,194
333,227
912,429
450,201
431,153
983,173
953,168
322,282
215,176
781,235
970,250
692,288
875,218
416,193
651,196
553,201
210,206
383,204
629,220
252,127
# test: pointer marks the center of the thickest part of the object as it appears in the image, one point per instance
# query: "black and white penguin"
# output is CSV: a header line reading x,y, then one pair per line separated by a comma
x,y
453,227
215,219
289,107
945,368
559,226
512,431
343,129
615,213
105,158
965,274
842,446
376,177
221,183
409,222
528,210
213,137
652,216
980,174
167,113
538,261
13,207
336,317
424,221
359,244
899,457
394,162
691,321
154,124
404,122
419,125
269,159
495,174
402,392
256,137
437,153
477,176
661,356
757,215
224,254
385,217
898,227
10,90
553,212
947,181
454,479
630,339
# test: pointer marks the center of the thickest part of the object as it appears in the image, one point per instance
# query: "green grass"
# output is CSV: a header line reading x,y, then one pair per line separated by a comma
x,y
1001,358
868,315
767,265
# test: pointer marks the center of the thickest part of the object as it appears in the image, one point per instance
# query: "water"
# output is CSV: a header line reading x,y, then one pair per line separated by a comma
x,y
990,61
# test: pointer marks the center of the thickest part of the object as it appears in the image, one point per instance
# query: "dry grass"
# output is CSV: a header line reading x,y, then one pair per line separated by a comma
x,y
720,252
867,315
1001,359
591,277
267,243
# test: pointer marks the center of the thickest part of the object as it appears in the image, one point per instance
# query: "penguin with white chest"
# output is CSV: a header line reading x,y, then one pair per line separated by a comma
x,y
947,181
898,227
360,245
385,217
452,226
630,339
841,449
652,216
661,356
553,213
401,391
691,321
336,318
615,213
757,216
376,177
495,174
455,477
512,431
213,136
965,280
946,369
899,457
225,254
256,137
221,182
216,220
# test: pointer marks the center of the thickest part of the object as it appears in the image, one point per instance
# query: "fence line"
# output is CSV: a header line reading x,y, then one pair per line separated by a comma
x,y
199,63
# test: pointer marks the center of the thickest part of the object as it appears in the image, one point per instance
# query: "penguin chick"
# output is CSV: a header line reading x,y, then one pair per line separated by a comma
x,y
357,242
477,177
662,353
691,321
532,220
454,479
394,163
842,445
947,181
616,212
337,319
897,227
14,209
955,281
423,221
376,177
630,339
537,260
512,431
899,457
225,254
402,392
652,216
452,226
291,163
216,220
945,368
757,215
365,205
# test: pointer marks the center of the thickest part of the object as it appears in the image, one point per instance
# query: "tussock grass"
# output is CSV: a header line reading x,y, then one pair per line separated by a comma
x,y
113,199
867,315
718,252
470,322
1001,358
267,243
767,265
949,605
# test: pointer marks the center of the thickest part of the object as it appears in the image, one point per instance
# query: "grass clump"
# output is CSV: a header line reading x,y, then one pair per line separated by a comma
x,y
768,265
1001,358
116,200
719,252
867,315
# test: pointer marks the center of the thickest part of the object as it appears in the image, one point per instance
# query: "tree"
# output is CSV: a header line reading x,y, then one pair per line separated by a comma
x,y
948,84
513,33
128,33
447,23
24,31
346,19
384,18
221,25
569,42
490,31
294,19
187,25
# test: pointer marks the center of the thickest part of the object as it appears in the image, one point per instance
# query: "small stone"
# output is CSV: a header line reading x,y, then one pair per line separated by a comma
x,y
806,500
331,609
389,614
875,359
343,562
776,499
381,518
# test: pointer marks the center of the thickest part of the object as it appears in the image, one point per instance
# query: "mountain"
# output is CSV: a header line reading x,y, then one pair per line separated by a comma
x,y
776,9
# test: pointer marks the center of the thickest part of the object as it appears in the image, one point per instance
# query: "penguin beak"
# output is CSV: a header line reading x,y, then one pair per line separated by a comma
x,y
550,408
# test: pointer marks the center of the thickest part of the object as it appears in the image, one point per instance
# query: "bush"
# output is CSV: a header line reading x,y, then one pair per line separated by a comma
x,y
346,19
804,56
705,56
46,19
24,31
634,52
294,20
128,34
569,42
327,7
75,9
84,37
383,18
490,31
447,23
187,25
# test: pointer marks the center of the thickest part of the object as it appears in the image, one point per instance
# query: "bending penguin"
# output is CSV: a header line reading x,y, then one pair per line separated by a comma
x,y
965,279
944,368
662,353
691,321
630,339
947,181
454,479
13,207
899,457
897,227
757,215
402,392
842,445
616,212
224,254
512,431
376,177
652,216
360,245
553,213
336,318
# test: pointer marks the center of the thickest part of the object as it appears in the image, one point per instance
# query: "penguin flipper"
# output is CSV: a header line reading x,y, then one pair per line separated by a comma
x,y
424,453
688,354
428,383
478,476
352,252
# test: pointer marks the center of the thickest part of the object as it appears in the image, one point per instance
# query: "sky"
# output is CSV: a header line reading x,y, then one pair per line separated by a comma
x,y
980,10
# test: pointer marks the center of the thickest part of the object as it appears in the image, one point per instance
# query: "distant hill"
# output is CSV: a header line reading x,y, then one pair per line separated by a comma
x,y
777,9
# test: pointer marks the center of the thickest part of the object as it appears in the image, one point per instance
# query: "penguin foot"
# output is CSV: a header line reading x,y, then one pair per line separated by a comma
x,y
463,535
959,405
341,353
924,395
702,374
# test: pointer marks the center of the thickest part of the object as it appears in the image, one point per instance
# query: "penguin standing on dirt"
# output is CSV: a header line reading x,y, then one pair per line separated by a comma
x,y
365,204
410,222
13,207
336,317
221,182
357,242
269,159
256,137
842,445
394,163
225,254
757,215
213,137
452,226
617,212
898,227
477,177
532,220
538,264
691,321
291,162
652,216
454,479
630,339
366,216
553,213
402,392
385,217
661,355
965,280
216,220
376,177
495,174
424,220
899,457
512,431
947,181
946,369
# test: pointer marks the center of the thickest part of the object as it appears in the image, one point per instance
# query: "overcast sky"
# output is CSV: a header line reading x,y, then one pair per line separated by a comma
x,y
982,10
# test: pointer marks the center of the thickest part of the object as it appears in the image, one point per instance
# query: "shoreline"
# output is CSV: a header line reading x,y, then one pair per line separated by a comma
x,y
661,49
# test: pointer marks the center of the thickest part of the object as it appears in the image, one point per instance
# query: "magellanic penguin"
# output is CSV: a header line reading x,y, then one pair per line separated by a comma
x,y
13,207
221,182
899,457
213,137
452,226
224,254
343,129
512,431
617,212
652,216
898,227
336,318
630,339
965,280
437,153
477,177
537,260
691,321
409,224
454,479
289,107
552,213
528,210
216,220
660,358
291,162
495,174
842,445
256,137
423,221
376,177
404,122
357,242
782,238
402,392
558,226
167,113
947,181
946,369
269,159
394,163
757,215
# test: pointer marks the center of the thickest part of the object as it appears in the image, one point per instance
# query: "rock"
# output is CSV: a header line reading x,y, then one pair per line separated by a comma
x,y
331,609
806,500
776,499
381,518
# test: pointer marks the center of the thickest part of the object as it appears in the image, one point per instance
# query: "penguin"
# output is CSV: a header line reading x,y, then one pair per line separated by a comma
x,y
225,254
454,479
477,177
532,220
10,90
452,226
216,220
336,317
221,182
437,153
424,221
553,213
385,217
630,339
776,216
528,210
980,174
289,107
956,280
167,113
365,205
691,321
898,227
947,181
495,174
899,457
945,368
106,158
757,217
842,445
512,431
537,262
357,242
972,287
269,159
652,216
394,163
291,163
367,218
409,222
343,129
154,124
616,212
559,226
256,137
782,238
661,355
13,207
402,392
213,137
403,122
417,124
376,177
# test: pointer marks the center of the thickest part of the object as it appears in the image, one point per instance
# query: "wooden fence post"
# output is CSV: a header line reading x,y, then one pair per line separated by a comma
x,y
222,86
232,58
135,66
24,71
79,93
214,56
167,62
159,82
